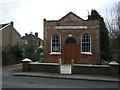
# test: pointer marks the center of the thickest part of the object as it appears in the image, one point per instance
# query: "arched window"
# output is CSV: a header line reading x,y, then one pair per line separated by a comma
x,y
55,43
86,43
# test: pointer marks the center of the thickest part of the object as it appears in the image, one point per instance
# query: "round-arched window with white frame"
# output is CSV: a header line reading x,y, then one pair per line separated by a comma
x,y
55,44
86,44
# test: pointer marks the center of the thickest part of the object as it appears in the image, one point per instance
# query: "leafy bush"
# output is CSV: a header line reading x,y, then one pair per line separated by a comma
x,y
33,53
12,55
15,54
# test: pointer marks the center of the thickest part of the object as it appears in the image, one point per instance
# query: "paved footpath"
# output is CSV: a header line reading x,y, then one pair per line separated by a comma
x,y
67,76
8,70
15,70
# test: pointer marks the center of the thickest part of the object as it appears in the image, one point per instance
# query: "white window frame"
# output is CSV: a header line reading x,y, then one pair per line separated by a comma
x,y
24,42
89,53
51,46
37,42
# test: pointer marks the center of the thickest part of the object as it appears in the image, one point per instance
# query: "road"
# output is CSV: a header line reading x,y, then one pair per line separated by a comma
x,y
9,81
35,82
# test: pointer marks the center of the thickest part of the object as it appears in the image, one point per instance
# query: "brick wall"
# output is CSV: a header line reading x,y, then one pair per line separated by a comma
x,y
91,69
43,67
111,69
72,20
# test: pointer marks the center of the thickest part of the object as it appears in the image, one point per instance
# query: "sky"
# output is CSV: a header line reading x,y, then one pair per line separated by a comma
x,y
28,15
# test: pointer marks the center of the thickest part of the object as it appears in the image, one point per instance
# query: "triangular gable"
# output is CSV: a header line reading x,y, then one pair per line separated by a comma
x,y
71,17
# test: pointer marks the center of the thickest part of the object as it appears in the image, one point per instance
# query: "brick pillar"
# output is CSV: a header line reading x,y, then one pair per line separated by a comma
x,y
72,62
25,63
114,68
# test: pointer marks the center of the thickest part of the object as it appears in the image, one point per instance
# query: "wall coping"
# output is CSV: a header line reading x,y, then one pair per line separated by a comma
x,y
113,63
26,59
90,65
44,63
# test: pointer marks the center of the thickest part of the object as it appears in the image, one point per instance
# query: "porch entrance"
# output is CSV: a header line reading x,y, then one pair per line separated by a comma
x,y
70,50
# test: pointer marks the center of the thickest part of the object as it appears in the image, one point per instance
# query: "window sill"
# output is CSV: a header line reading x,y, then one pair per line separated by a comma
x,y
54,53
87,53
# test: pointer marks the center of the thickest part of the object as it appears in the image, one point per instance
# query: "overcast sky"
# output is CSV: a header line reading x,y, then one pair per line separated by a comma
x,y
28,15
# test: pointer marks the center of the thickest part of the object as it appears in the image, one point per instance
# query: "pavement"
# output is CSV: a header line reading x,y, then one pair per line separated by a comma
x,y
67,76
16,70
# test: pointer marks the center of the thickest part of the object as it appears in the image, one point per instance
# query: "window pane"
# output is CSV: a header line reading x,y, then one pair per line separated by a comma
x,y
83,49
87,40
83,40
87,44
83,44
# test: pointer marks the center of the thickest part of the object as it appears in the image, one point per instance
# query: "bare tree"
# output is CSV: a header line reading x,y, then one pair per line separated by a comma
x,y
113,20
113,24
118,14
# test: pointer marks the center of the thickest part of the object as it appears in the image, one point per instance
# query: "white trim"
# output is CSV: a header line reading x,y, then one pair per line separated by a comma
x,y
26,59
52,53
60,43
91,65
5,26
81,43
70,35
88,53
114,63
44,63
71,27
51,44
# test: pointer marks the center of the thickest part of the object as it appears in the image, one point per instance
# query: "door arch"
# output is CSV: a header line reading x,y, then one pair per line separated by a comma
x,y
70,40
70,50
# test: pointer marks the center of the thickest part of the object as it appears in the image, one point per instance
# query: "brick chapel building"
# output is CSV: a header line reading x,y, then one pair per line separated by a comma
x,y
71,38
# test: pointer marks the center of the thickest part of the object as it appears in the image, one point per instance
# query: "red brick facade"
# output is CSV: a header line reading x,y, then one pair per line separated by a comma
x,y
74,27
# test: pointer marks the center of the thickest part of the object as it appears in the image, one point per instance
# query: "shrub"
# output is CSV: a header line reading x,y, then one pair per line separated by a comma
x,y
12,55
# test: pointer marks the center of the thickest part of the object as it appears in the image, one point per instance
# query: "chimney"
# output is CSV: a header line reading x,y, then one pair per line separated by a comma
x,y
36,34
11,23
25,34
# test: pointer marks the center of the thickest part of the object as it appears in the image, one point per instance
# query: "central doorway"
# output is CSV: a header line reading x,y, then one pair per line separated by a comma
x,y
70,50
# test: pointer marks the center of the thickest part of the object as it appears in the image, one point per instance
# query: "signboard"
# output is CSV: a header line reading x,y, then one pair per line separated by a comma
x,y
71,27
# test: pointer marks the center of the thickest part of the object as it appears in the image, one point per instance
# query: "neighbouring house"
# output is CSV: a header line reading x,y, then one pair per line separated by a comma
x,y
72,38
30,40
9,35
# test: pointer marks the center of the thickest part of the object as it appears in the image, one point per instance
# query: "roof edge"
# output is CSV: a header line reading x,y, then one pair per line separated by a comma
x,y
72,14
5,26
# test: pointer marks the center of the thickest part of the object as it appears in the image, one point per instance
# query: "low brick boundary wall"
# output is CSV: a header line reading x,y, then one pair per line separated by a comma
x,y
91,69
119,69
111,69
43,67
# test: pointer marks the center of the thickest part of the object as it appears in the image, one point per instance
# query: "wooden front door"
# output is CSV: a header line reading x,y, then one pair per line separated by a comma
x,y
70,50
